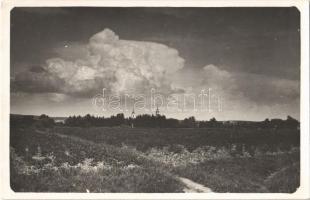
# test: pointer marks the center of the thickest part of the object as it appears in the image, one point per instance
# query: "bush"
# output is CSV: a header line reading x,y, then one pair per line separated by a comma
x,y
147,160
64,165
246,174
286,180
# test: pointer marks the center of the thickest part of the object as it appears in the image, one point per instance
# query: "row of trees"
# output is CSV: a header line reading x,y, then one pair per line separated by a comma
x,y
145,120
161,121
120,120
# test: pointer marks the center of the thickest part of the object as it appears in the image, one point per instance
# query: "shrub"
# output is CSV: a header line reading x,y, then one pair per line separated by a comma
x,y
286,180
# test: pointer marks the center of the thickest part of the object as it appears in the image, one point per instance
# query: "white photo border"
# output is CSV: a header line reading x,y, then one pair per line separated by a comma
x,y
8,5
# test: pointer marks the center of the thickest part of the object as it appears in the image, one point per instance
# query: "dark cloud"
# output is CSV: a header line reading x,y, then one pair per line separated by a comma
x,y
266,90
255,40
34,82
37,69
257,89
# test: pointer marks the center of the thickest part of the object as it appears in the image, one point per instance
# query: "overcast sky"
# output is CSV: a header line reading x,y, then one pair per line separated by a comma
x,y
250,57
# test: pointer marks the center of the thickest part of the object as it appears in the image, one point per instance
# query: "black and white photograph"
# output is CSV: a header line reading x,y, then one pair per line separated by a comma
x,y
149,99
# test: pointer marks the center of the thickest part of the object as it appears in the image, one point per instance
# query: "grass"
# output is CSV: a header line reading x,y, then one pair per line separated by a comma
x,y
190,138
98,160
247,174
110,169
285,180
71,179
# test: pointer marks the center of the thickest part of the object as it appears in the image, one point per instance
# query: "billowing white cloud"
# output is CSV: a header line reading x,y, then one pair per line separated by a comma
x,y
132,64
111,63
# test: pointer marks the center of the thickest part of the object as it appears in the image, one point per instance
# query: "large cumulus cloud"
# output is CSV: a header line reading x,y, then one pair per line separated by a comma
x,y
105,62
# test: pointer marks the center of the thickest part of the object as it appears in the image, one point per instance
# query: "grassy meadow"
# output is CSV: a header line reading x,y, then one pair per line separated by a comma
x,y
149,160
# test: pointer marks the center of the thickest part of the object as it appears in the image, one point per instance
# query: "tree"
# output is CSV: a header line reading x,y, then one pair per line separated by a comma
x,y
291,122
44,121
189,122
213,122
213,119
265,123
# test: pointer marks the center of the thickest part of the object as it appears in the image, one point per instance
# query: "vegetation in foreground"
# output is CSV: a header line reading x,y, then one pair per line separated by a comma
x,y
266,173
48,163
63,160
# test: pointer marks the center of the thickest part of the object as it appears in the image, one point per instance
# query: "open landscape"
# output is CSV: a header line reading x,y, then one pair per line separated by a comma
x,y
60,158
146,99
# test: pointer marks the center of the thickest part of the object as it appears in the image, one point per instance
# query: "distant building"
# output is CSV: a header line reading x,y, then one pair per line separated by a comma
x,y
157,111
133,116
59,119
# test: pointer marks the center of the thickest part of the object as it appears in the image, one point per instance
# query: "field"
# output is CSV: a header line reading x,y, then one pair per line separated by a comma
x,y
120,159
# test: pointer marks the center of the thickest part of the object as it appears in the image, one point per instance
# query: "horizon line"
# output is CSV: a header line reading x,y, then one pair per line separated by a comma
x,y
150,115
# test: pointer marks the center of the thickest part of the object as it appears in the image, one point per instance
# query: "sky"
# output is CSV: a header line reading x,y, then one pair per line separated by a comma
x,y
228,63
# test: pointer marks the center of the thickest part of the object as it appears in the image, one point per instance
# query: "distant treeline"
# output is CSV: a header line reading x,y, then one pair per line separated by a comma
x,y
44,121
160,121
145,120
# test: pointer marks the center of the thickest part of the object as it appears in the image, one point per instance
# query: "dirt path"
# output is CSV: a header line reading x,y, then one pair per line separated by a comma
x,y
193,187
190,186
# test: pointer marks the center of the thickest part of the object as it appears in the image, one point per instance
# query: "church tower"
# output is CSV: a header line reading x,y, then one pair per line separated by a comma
x,y
157,111
133,116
